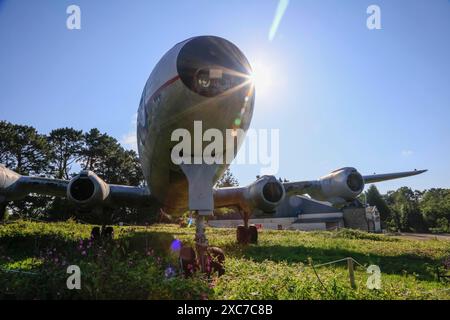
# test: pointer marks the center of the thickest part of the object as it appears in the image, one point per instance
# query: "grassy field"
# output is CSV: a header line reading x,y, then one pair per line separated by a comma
x,y
139,264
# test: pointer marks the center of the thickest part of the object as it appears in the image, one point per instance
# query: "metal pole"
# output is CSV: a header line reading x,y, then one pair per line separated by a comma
x,y
351,273
201,242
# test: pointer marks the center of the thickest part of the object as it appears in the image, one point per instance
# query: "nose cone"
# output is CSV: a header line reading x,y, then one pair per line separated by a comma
x,y
211,65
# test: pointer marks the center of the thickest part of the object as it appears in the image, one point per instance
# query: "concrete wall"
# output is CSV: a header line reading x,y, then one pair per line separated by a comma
x,y
270,223
309,226
355,218
277,224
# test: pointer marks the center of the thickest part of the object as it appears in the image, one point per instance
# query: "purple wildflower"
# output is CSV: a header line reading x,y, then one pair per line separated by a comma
x,y
170,272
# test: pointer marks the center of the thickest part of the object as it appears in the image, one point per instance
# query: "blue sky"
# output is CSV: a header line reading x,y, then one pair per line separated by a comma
x,y
341,94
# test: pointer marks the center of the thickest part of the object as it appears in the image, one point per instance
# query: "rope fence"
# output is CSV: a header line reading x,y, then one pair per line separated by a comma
x,y
350,268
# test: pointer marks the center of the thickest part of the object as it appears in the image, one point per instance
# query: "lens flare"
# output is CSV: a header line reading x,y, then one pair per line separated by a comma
x,y
176,245
261,77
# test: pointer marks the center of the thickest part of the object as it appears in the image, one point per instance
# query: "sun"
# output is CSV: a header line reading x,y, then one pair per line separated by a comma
x,y
262,77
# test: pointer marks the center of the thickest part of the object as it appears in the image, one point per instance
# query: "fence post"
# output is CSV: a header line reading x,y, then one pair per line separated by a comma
x,y
351,273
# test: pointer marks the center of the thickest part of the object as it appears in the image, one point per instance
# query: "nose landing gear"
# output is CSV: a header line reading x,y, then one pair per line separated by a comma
x,y
207,259
201,201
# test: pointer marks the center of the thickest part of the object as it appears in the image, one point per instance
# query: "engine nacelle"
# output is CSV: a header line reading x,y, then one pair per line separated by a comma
x,y
88,190
340,186
266,193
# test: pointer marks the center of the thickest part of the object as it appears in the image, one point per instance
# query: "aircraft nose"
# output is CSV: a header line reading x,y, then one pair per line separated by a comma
x,y
210,65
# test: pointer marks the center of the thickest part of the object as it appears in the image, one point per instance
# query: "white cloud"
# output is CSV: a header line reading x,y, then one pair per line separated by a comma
x,y
129,140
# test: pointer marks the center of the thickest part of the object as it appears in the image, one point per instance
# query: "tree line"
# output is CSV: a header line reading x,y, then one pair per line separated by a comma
x,y
61,154
412,211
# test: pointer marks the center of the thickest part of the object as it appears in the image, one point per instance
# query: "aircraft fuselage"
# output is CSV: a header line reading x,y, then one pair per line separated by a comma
x,y
201,79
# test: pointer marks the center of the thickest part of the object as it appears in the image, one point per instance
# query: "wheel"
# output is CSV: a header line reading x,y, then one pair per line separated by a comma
x,y
95,233
242,234
253,231
188,261
216,261
107,233
2,211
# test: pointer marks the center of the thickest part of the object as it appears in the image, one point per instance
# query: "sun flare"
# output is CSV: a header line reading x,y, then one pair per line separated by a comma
x,y
261,77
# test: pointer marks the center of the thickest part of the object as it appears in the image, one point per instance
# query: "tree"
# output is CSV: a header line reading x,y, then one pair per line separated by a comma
x,y
66,145
227,180
435,207
406,215
374,198
23,149
96,148
109,160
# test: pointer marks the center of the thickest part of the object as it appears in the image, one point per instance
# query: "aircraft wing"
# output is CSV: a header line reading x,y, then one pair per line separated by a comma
x,y
300,187
389,176
85,189
304,187
342,185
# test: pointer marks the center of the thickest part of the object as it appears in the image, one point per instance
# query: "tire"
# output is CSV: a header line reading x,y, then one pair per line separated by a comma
x,y
253,234
2,212
242,235
188,261
216,257
95,233
107,233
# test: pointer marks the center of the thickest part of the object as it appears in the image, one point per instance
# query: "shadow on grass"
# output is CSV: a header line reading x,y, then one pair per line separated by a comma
x,y
399,264
19,247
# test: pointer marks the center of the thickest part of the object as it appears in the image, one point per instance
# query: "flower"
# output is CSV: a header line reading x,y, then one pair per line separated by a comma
x,y
170,272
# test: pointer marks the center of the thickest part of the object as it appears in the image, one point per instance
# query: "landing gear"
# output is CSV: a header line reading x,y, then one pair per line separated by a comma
x,y
201,243
105,233
215,260
2,211
253,234
200,179
188,261
246,233
204,258
242,236
95,233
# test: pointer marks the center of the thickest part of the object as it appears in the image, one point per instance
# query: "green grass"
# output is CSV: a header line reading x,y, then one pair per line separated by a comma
x,y
134,264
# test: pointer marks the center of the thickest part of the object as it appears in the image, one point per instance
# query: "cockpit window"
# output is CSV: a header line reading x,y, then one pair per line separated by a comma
x,y
212,65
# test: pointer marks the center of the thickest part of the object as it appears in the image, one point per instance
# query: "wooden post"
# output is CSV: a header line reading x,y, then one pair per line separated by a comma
x,y
351,273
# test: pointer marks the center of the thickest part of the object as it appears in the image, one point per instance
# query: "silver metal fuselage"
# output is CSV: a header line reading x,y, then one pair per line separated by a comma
x,y
167,103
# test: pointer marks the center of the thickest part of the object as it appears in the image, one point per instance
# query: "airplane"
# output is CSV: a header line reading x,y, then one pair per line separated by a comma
x,y
208,79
